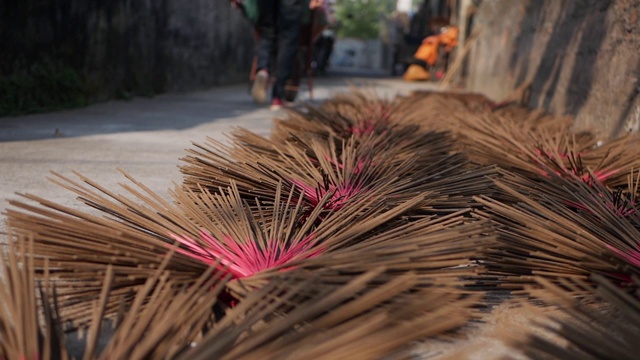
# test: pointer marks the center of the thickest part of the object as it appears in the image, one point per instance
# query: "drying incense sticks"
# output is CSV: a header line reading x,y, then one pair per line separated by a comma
x,y
358,227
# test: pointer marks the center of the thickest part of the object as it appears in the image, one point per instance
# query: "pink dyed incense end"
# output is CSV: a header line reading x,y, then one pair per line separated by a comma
x,y
359,166
374,116
586,177
619,210
36,356
600,176
341,194
363,129
243,259
632,257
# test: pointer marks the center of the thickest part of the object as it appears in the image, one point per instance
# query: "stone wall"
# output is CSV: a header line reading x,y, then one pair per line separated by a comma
x,y
129,47
580,57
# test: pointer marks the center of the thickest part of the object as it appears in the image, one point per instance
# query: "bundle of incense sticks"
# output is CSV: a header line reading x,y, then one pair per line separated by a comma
x,y
359,227
607,327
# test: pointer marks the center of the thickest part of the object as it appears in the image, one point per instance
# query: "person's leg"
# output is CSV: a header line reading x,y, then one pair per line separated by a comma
x,y
319,49
266,25
328,52
290,14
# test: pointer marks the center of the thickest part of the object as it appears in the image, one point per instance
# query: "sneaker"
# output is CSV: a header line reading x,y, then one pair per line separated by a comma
x,y
277,104
259,87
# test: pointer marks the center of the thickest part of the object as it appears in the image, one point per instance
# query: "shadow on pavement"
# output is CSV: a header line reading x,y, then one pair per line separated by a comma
x,y
177,111
167,111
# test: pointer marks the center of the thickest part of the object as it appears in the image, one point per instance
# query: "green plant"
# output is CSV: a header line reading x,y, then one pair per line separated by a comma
x,y
43,86
361,18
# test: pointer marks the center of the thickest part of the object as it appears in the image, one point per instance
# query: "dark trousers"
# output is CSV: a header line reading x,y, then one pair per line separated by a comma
x,y
279,20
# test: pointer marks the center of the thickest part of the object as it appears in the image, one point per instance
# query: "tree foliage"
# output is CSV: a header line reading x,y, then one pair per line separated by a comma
x,y
361,18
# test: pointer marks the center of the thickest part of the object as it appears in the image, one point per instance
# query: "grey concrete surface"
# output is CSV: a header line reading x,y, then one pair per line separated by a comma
x,y
144,136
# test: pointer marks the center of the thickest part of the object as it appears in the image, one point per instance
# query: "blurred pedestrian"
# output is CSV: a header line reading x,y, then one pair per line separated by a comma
x,y
322,50
276,19
278,24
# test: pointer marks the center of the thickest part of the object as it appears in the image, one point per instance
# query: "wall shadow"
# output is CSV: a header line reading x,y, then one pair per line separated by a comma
x,y
628,107
574,16
521,55
593,35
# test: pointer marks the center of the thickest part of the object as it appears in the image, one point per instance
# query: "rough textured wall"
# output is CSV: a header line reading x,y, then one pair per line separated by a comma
x,y
581,57
129,47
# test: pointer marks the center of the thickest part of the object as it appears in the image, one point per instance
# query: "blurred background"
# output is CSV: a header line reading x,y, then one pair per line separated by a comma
x,y
574,57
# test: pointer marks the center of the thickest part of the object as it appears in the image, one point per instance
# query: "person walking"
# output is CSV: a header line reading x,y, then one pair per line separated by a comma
x,y
278,24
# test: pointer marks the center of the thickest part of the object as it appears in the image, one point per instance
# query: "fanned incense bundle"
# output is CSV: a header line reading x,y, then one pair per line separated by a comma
x,y
562,228
589,330
352,169
350,320
359,227
142,228
169,321
163,319
522,140
357,114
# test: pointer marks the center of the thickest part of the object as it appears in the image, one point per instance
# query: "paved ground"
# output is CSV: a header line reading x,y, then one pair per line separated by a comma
x,y
145,137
